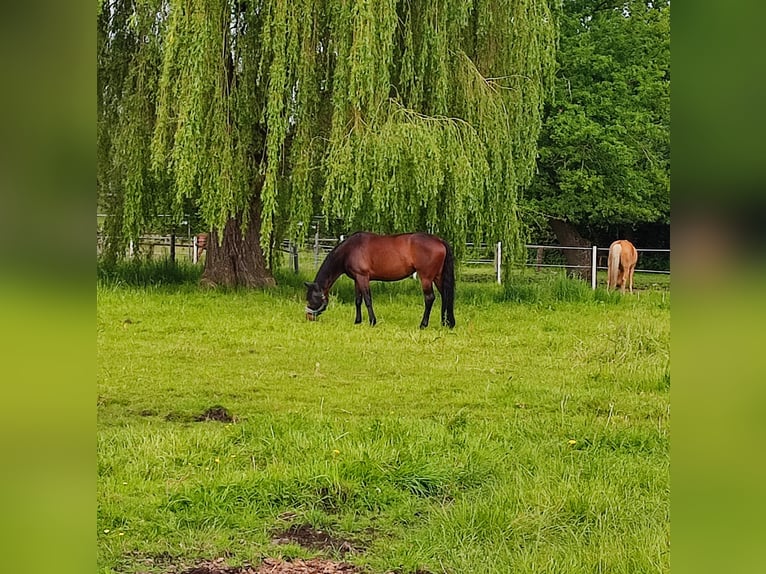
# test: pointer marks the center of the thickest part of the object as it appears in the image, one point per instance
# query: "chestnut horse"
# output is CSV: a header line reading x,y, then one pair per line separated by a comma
x,y
366,257
201,244
621,264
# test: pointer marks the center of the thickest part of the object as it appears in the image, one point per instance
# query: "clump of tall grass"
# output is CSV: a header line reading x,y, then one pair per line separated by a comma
x,y
146,272
549,288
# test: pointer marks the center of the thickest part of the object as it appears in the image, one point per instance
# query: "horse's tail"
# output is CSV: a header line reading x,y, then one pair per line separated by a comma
x,y
448,288
613,265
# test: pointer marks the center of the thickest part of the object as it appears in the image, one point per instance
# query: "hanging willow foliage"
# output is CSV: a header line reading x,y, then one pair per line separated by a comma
x,y
392,115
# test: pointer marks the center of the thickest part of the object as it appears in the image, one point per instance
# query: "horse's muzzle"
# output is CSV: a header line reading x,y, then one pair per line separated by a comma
x,y
312,314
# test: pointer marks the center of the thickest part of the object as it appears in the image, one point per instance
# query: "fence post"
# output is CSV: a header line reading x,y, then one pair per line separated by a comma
x,y
294,253
316,248
499,256
593,267
131,248
195,250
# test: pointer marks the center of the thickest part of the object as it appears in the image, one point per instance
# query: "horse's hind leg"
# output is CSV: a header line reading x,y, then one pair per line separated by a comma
x,y
358,302
429,297
446,320
368,302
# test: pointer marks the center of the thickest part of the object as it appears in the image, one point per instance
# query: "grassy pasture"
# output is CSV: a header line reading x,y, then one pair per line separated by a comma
x,y
531,438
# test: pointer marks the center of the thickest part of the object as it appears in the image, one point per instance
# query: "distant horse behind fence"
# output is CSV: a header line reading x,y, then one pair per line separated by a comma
x,y
366,257
621,264
201,243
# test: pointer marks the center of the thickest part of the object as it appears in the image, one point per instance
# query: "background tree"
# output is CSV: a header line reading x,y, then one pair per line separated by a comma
x,y
604,157
390,115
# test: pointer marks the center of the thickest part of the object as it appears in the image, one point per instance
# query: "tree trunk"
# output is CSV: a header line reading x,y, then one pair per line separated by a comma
x,y
578,259
238,260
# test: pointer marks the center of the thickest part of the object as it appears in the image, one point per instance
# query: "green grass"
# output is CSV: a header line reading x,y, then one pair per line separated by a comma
x,y
143,273
447,451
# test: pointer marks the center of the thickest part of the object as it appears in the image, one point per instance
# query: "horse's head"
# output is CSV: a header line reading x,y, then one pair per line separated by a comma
x,y
316,301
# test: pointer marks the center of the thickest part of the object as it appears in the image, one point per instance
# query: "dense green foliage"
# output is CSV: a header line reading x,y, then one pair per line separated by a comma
x,y
605,146
390,115
534,436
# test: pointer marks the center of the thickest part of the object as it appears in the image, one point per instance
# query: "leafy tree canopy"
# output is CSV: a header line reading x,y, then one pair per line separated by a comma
x,y
604,155
393,115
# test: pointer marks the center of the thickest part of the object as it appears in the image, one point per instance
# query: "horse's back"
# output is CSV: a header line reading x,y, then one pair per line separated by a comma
x,y
394,257
628,253
403,243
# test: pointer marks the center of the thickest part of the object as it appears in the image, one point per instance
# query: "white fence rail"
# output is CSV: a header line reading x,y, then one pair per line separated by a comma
x,y
598,259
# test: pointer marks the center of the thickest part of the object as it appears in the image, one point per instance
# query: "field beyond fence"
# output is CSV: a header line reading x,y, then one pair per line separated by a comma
x,y
532,437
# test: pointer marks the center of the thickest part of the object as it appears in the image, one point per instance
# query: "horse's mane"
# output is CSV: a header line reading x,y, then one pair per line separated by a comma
x,y
331,260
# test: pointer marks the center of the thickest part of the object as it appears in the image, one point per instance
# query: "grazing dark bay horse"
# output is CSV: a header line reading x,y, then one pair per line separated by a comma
x,y
621,264
366,257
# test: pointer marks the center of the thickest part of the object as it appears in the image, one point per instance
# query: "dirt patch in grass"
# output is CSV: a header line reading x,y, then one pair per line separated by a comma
x,y
307,537
216,413
274,566
300,534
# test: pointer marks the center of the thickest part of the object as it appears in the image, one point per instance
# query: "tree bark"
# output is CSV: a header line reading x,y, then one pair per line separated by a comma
x,y
237,260
578,259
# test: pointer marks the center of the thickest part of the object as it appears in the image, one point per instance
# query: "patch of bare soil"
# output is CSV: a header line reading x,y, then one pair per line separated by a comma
x,y
306,536
274,566
302,535
216,413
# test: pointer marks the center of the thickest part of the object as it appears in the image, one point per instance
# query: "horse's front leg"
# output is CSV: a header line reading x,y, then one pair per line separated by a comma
x,y
363,289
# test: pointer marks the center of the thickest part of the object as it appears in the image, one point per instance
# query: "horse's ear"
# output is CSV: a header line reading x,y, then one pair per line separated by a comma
x,y
309,285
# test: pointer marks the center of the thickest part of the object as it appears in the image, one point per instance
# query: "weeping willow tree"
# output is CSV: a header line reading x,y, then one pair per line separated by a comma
x,y
389,115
